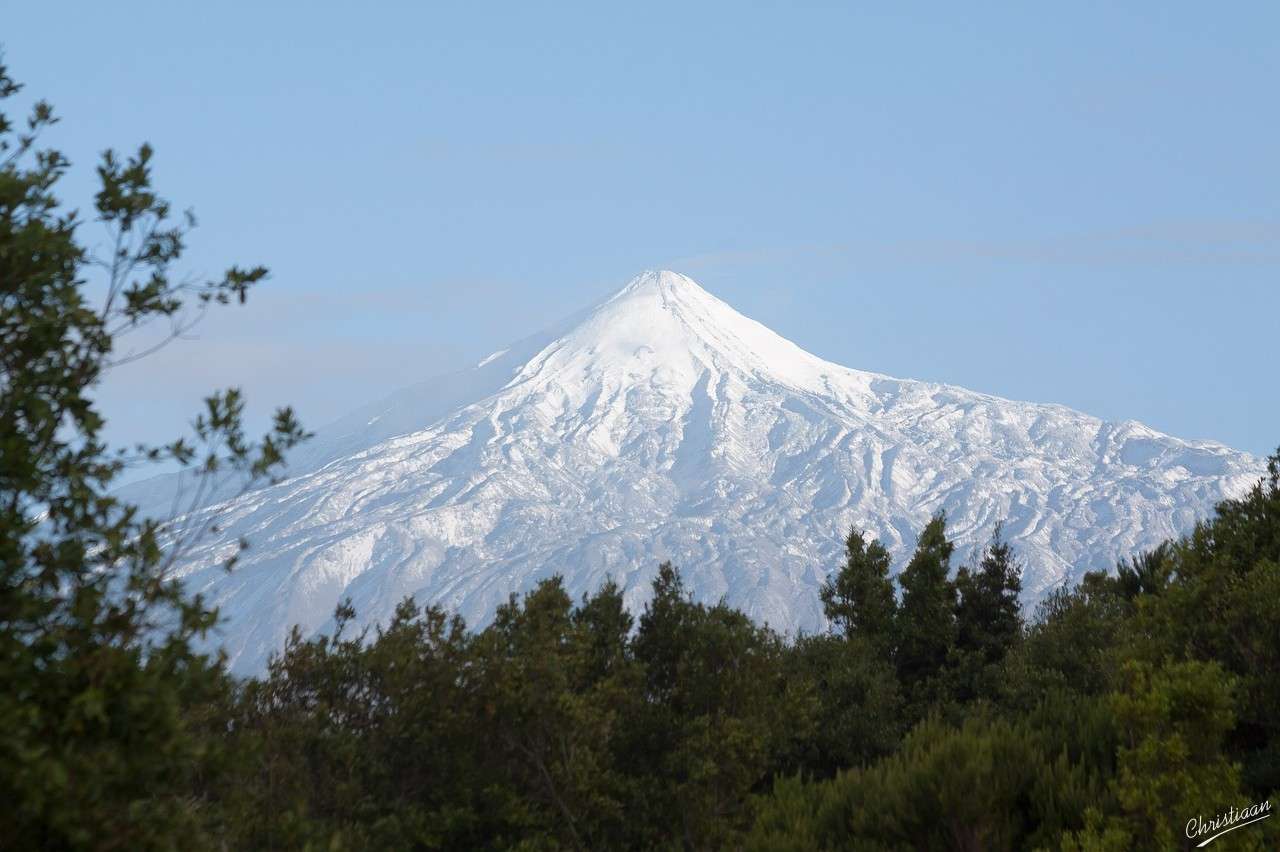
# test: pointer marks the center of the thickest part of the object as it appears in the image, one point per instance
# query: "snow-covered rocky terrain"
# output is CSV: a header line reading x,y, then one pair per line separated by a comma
x,y
662,424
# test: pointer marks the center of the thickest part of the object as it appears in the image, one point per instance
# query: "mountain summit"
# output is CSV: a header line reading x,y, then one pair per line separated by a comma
x,y
662,424
663,320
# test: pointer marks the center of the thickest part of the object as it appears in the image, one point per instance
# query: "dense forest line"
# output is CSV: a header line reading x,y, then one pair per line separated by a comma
x,y
929,718
1131,710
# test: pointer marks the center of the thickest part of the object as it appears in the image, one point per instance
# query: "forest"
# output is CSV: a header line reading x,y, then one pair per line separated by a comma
x,y
930,717
1132,710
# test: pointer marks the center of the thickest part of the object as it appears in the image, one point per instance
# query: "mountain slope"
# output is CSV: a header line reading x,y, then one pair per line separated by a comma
x,y
664,425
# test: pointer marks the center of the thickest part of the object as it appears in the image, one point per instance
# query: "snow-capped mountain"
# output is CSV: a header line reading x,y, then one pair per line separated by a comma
x,y
662,424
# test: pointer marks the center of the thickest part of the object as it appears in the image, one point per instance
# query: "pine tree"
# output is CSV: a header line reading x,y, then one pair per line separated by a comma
x,y
859,599
988,612
665,630
926,626
1147,573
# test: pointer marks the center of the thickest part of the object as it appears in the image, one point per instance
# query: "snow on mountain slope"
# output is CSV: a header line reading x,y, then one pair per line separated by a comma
x,y
664,425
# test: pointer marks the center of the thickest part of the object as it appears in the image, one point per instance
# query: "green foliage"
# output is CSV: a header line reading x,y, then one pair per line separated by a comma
x,y
988,612
1133,704
364,742
989,623
926,620
859,599
985,785
106,708
859,705
720,712
1223,606
556,684
1172,722
1071,643
555,727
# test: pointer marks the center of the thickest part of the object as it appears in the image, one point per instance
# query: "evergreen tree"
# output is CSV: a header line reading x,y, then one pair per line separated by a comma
x,y
926,627
988,611
1071,642
721,713
859,599
858,703
1147,573
665,631
603,626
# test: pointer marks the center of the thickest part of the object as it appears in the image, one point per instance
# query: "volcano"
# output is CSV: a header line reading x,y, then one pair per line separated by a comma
x,y
663,425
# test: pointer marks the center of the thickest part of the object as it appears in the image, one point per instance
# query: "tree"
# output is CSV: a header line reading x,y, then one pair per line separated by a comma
x,y
988,611
989,620
1147,573
859,599
550,682
99,748
1071,642
720,714
1172,721
983,785
859,703
926,625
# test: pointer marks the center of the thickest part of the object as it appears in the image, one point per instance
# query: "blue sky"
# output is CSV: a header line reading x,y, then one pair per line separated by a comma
x,y
1077,205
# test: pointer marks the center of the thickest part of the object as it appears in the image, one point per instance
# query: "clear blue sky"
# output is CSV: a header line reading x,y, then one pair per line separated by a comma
x,y
1078,205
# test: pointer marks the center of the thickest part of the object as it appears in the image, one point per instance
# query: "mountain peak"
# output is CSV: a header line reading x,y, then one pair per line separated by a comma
x,y
662,323
665,291
662,281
